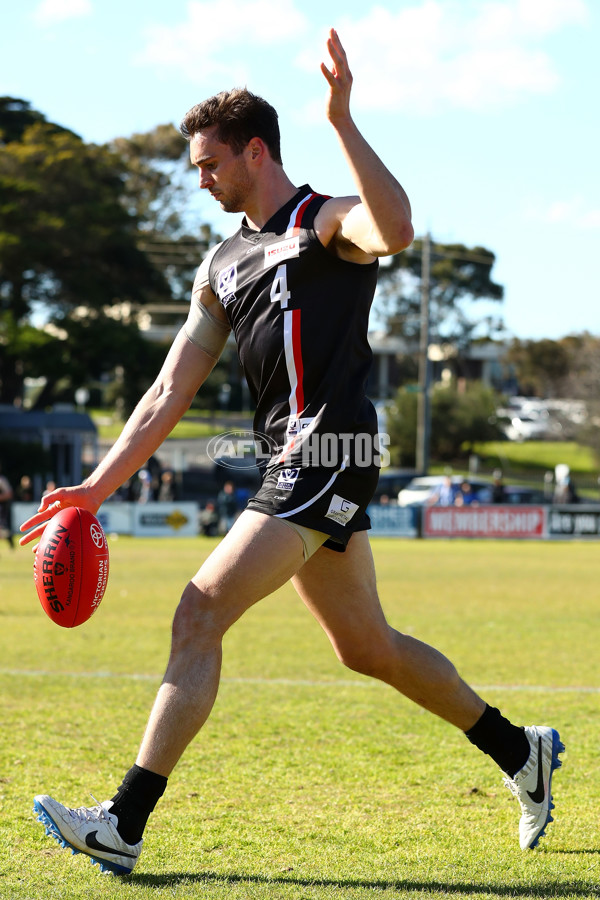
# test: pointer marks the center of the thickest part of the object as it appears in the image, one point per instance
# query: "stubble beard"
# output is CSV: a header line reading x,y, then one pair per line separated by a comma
x,y
234,201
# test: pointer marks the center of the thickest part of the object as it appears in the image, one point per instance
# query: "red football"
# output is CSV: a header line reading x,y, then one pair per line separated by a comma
x,y
70,569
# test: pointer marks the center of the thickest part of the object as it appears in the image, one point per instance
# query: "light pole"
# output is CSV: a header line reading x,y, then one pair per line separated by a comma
x,y
423,397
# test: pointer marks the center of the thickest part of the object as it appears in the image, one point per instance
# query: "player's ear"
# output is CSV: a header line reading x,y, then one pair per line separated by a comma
x,y
256,150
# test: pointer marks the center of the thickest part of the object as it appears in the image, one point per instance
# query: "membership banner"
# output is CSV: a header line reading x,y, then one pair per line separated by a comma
x,y
485,521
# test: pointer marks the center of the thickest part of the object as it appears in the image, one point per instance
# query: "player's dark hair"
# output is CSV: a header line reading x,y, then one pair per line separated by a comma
x,y
239,116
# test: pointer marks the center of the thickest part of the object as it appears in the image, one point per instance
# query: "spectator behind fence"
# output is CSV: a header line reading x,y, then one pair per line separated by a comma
x,y
498,492
166,492
227,506
466,496
444,495
6,496
564,491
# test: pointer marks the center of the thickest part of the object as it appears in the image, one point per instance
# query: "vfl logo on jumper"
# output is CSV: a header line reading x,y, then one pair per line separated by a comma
x,y
287,479
227,284
295,426
288,249
341,510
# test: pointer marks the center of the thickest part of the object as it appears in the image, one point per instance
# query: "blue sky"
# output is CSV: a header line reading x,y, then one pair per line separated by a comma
x,y
486,110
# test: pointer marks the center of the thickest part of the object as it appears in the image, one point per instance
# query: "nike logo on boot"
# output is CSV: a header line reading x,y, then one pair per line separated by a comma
x,y
94,844
538,795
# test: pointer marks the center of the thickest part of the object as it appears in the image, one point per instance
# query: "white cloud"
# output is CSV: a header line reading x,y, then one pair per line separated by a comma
x,y
48,12
439,54
574,213
215,34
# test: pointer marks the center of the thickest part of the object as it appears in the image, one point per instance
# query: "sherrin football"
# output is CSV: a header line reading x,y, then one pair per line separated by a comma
x,y
70,568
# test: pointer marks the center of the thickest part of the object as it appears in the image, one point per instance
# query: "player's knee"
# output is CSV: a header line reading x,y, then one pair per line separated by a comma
x,y
196,619
363,657
373,654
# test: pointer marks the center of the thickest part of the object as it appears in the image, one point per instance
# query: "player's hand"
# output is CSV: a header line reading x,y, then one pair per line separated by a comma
x,y
52,503
339,78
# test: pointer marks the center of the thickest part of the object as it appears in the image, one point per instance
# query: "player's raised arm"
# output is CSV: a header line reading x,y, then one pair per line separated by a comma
x,y
380,224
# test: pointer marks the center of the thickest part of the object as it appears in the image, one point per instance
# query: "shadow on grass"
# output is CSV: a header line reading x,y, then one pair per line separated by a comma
x,y
544,889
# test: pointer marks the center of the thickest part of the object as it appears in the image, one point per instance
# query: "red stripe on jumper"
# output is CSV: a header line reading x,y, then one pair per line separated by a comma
x,y
296,217
298,364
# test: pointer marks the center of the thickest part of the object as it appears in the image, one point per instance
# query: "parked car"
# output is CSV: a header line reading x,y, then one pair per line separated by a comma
x,y
516,493
422,490
527,428
391,481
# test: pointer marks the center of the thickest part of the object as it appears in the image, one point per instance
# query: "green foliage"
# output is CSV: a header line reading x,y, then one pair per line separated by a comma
x,y
16,116
541,367
540,456
158,189
568,368
459,419
67,241
308,782
71,240
88,235
459,276
402,428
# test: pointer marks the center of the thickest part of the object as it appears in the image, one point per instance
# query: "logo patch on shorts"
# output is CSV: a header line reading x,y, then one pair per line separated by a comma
x,y
341,510
287,479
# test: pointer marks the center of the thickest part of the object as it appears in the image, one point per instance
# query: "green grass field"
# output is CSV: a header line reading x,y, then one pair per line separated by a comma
x,y
309,781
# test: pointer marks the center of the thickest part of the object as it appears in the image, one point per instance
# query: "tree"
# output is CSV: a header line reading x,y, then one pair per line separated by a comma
x,y
459,277
159,190
459,419
541,367
16,116
66,238
583,383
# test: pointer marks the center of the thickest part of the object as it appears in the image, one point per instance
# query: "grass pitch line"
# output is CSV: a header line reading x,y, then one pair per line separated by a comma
x,y
296,682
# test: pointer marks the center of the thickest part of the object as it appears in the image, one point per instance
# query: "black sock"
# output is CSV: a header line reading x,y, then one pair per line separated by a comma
x,y
134,801
506,743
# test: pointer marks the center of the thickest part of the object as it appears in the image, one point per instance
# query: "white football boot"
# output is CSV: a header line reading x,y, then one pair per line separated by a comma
x,y
91,831
532,784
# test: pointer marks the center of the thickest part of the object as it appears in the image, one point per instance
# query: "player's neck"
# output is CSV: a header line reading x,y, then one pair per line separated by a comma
x,y
271,194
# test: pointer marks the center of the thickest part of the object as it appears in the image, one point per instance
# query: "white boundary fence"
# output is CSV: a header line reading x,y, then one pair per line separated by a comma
x,y
579,522
138,519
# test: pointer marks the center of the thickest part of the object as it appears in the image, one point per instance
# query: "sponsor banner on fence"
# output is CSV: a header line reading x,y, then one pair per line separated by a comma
x,y
574,521
116,517
485,521
165,519
140,519
392,521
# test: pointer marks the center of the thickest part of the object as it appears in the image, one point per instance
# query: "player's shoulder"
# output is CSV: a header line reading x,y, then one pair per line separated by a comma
x,y
330,221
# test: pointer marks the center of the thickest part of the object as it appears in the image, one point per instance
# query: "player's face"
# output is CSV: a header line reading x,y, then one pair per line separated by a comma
x,y
222,173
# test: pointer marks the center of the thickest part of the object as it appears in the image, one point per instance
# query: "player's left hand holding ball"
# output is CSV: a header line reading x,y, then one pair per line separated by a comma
x,y
71,564
51,503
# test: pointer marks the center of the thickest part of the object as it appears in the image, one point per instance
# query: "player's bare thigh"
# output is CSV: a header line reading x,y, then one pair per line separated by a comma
x,y
340,591
257,556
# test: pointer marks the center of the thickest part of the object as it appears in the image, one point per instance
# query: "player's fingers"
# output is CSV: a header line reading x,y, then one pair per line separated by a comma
x,y
338,54
44,513
328,75
335,46
32,535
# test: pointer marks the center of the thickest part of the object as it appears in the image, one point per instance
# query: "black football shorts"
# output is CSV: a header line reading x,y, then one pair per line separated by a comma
x,y
330,500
